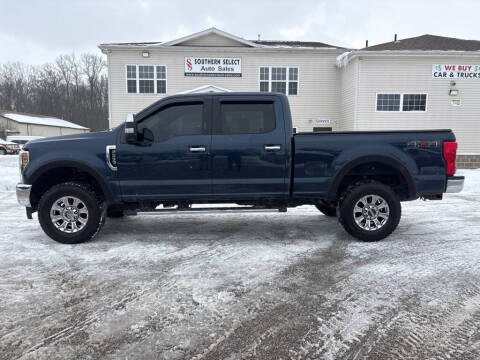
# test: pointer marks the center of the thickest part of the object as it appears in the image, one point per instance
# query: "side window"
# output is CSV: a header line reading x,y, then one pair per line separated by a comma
x,y
388,102
246,118
175,120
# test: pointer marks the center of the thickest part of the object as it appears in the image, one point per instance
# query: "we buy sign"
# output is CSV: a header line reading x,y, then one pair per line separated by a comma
x,y
456,71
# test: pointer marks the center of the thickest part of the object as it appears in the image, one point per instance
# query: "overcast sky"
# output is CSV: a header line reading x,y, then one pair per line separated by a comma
x,y
37,31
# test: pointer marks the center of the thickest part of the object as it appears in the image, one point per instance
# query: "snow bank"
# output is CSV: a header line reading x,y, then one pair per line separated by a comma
x,y
10,173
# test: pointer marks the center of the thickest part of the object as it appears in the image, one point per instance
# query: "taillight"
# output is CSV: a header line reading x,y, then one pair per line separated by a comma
x,y
450,156
24,159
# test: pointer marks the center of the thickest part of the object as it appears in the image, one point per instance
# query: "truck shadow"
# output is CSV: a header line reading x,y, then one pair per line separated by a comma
x,y
205,228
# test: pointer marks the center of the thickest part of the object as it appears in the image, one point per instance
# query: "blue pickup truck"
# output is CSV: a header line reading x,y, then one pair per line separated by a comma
x,y
231,148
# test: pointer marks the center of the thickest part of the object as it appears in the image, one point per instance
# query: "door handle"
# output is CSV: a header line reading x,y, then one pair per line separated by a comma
x,y
197,149
272,147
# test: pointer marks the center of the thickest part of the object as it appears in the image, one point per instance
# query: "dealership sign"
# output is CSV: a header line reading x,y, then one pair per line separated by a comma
x,y
213,66
450,71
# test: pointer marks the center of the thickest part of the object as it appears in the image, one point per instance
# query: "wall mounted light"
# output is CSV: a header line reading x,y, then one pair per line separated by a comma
x,y
145,54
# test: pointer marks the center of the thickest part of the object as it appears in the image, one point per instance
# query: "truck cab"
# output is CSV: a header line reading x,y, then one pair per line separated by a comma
x,y
207,147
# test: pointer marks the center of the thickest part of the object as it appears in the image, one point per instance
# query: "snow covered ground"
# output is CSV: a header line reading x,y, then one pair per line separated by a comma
x,y
235,286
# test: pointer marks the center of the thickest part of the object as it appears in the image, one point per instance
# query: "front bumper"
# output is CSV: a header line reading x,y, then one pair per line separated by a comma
x,y
455,184
23,194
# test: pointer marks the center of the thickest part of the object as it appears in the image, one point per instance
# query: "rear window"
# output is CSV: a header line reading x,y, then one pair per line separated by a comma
x,y
246,118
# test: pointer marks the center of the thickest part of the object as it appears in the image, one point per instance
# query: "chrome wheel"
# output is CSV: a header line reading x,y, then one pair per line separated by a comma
x,y
69,214
371,212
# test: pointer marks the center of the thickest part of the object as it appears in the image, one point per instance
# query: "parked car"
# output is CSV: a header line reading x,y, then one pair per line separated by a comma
x,y
22,139
8,147
231,148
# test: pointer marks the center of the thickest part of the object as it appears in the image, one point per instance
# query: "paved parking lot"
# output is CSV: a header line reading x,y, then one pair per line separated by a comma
x,y
246,286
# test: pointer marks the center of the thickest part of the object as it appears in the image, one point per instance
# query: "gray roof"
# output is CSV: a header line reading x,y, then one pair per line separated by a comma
x,y
141,43
287,43
428,42
274,43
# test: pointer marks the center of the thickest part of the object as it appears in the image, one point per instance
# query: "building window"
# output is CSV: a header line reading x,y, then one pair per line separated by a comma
x,y
388,102
414,102
279,79
161,80
409,102
146,84
131,78
292,81
264,79
146,79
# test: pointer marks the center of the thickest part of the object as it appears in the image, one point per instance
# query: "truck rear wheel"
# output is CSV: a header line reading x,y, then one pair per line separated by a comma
x,y
370,211
71,213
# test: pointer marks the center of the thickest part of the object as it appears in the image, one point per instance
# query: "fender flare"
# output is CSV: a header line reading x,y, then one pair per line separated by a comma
x,y
78,165
370,159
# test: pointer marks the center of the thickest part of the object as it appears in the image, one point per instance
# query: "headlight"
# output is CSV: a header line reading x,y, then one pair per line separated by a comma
x,y
23,158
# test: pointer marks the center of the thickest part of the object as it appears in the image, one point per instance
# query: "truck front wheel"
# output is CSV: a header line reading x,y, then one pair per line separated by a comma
x,y
71,213
370,211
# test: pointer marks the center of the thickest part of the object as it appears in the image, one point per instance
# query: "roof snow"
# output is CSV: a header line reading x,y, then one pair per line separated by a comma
x,y
342,59
36,120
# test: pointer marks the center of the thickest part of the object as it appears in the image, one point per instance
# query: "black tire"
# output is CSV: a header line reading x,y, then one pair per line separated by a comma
x,y
326,209
94,205
114,213
350,198
3,151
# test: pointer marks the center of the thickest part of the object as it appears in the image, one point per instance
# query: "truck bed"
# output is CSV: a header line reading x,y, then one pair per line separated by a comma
x,y
319,157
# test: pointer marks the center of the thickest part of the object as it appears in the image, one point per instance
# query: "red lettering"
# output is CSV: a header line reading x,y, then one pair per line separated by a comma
x,y
464,67
449,67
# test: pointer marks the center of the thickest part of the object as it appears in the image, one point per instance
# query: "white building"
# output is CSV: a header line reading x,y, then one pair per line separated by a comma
x,y
424,82
16,123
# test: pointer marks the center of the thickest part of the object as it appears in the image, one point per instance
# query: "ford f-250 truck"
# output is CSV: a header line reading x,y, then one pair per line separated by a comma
x,y
231,148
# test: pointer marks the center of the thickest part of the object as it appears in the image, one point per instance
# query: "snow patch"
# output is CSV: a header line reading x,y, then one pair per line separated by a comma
x,y
10,172
342,59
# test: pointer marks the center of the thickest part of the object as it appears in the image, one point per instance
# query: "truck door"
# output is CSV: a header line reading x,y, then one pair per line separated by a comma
x,y
249,153
177,164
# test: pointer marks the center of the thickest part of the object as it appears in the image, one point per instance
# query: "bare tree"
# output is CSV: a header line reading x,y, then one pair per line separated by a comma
x,y
71,88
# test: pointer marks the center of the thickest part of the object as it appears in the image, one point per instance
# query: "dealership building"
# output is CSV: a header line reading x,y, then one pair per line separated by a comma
x,y
425,82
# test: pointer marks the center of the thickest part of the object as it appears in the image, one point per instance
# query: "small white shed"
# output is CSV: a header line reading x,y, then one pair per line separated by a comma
x,y
16,123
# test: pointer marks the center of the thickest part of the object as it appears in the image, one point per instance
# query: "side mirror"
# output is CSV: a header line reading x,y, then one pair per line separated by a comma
x,y
131,136
147,136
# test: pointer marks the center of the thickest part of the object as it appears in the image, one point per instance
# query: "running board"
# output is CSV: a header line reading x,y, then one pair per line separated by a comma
x,y
211,210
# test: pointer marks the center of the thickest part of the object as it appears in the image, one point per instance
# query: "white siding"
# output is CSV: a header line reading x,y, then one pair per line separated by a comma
x,y
318,90
408,74
348,95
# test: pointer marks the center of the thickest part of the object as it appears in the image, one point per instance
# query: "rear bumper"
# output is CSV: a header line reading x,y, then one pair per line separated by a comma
x,y
23,194
455,184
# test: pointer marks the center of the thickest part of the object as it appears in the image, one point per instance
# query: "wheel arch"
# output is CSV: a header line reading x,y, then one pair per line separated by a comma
x,y
63,170
399,168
